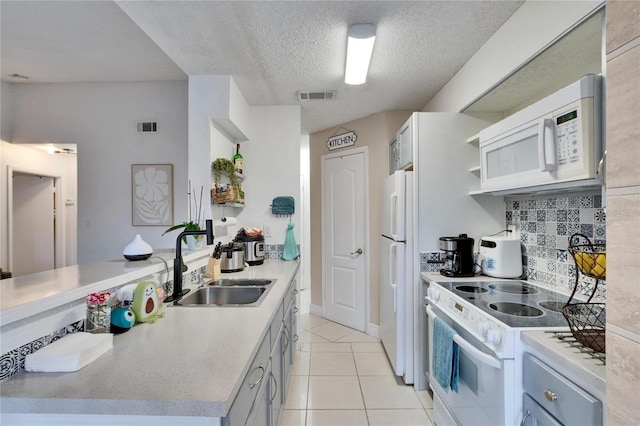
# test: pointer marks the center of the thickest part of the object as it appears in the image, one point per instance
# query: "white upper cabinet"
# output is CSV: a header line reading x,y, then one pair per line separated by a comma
x,y
401,149
578,52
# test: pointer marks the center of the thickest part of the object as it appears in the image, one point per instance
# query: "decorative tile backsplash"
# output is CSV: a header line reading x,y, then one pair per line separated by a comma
x,y
274,251
13,361
545,224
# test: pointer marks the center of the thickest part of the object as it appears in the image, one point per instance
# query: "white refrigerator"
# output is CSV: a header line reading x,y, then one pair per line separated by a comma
x,y
396,272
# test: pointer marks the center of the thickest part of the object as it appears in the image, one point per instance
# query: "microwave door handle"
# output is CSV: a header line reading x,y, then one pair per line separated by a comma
x,y
602,168
546,123
473,352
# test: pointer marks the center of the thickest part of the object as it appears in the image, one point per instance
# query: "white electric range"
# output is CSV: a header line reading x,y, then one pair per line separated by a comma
x,y
489,317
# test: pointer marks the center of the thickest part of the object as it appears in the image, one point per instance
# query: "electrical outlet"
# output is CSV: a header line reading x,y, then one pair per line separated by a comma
x,y
513,234
266,230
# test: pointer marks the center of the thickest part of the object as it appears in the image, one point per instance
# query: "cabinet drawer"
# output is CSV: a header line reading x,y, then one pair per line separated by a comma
x,y
535,415
256,376
567,402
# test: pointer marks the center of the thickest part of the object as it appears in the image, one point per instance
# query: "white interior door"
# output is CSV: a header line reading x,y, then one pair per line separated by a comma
x,y
33,245
345,238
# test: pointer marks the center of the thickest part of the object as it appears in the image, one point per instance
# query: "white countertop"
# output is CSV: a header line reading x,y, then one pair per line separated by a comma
x,y
25,296
189,363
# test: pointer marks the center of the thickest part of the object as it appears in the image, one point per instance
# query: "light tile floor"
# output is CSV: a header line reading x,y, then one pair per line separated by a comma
x,y
342,377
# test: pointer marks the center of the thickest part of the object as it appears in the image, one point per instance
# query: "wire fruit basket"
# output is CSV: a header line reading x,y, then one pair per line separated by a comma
x,y
587,320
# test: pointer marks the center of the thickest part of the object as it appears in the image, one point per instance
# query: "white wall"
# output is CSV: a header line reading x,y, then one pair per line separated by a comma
x,y
528,31
5,110
101,119
272,168
271,155
305,213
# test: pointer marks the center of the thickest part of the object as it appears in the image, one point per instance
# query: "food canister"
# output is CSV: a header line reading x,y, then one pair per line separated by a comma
x,y
253,249
232,259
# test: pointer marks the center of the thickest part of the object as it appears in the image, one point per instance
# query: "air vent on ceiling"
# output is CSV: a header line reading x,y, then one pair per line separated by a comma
x,y
317,96
147,126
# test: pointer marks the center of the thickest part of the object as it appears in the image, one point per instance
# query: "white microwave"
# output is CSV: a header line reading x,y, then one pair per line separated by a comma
x,y
553,144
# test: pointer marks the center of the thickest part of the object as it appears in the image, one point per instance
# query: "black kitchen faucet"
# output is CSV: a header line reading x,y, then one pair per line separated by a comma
x,y
178,265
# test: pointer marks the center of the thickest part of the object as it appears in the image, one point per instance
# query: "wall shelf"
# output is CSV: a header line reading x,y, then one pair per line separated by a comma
x,y
237,205
230,198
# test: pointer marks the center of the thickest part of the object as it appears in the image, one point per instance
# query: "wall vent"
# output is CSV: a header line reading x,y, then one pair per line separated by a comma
x,y
328,95
147,126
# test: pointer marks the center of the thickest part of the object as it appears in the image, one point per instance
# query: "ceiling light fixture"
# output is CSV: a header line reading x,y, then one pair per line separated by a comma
x,y
359,48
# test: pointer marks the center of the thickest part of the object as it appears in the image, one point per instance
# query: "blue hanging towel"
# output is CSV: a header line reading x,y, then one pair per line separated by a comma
x,y
445,356
290,251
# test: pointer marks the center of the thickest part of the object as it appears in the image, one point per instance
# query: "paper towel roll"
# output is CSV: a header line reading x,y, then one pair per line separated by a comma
x,y
226,221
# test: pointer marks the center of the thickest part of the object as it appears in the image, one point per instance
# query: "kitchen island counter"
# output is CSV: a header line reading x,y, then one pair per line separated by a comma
x,y
190,363
26,296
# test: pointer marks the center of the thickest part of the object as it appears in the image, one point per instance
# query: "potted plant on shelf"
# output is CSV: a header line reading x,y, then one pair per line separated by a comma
x,y
223,193
193,241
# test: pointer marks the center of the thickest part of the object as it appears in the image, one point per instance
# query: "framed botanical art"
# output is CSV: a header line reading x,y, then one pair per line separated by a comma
x,y
152,194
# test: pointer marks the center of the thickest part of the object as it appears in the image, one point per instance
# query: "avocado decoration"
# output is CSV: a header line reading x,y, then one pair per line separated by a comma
x,y
145,302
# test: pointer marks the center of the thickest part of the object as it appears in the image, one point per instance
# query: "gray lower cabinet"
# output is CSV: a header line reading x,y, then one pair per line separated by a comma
x,y
552,399
261,397
291,324
535,415
260,414
252,384
277,377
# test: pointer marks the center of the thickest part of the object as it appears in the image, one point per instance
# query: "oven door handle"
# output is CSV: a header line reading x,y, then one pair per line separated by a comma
x,y
474,353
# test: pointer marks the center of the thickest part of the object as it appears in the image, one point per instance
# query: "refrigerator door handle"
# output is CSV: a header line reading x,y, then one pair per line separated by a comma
x,y
393,273
392,215
395,303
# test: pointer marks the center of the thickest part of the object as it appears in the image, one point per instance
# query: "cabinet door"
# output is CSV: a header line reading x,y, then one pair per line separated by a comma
x,y
260,414
290,324
394,155
277,391
405,142
251,385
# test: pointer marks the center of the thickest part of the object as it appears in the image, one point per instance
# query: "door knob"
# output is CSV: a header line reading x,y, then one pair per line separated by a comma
x,y
359,251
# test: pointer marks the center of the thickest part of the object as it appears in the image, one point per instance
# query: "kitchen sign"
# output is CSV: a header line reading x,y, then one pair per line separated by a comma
x,y
342,141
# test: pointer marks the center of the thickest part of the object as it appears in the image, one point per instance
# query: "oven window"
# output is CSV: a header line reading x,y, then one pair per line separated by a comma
x,y
480,399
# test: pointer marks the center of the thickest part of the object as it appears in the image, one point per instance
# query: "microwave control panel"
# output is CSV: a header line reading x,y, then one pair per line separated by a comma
x,y
569,150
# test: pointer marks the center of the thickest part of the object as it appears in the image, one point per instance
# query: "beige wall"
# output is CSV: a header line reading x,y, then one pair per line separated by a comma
x,y
623,212
375,132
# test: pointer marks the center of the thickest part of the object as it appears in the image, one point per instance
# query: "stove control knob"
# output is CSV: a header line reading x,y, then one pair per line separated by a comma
x,y
493,336
483,327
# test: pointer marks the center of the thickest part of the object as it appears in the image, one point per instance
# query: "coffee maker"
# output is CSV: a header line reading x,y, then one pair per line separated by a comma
x,y
458,256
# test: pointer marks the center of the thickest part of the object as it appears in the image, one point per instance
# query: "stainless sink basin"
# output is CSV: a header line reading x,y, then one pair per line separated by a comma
x,y
225,296
243,282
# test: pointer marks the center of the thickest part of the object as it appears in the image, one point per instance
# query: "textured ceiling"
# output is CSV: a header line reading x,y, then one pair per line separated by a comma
x,y
76,41
272,48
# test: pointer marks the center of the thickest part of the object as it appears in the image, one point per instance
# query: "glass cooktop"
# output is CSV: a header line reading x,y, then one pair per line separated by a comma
x,y
515,303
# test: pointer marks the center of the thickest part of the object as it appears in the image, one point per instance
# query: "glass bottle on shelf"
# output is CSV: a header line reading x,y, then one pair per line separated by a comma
x,y
237,160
